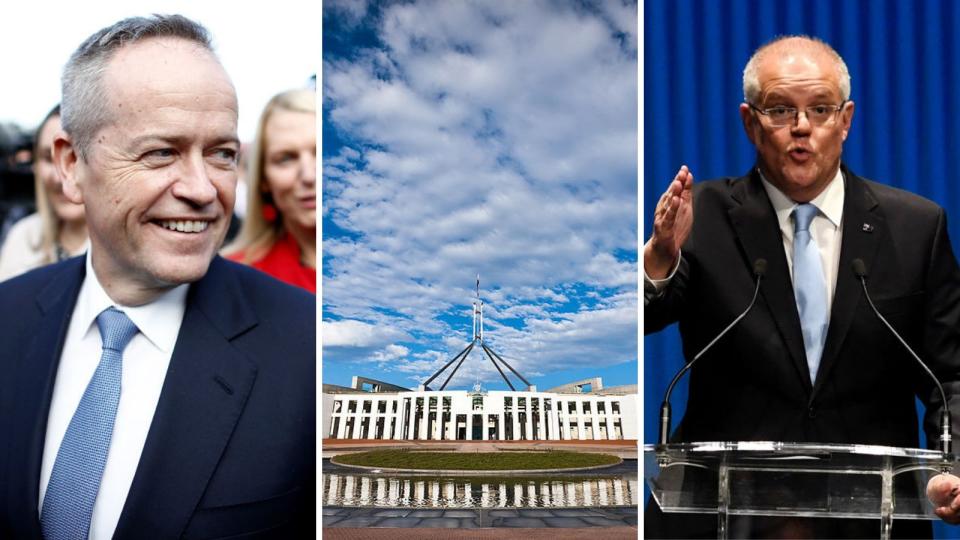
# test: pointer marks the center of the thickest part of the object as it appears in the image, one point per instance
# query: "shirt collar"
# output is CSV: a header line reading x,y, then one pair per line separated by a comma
x,y
159,321
829,201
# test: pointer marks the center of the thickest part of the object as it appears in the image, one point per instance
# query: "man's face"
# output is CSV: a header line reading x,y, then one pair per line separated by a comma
x,y
800,158
158,180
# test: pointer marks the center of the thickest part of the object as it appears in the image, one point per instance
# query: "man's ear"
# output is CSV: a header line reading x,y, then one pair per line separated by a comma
x,y
749,122
66,160
846,118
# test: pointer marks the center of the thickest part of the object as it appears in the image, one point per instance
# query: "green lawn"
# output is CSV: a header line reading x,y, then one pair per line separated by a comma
x,y
480,461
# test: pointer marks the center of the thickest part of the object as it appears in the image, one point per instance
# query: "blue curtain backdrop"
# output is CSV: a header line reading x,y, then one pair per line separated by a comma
x,y
904,60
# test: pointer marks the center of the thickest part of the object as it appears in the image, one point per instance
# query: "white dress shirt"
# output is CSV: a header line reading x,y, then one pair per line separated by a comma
x,y
826,228
145,362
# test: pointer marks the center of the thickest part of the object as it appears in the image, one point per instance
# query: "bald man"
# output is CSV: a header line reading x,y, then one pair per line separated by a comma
x,y
811,362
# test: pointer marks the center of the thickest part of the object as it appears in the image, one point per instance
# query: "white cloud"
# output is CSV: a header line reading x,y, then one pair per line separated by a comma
x,y
350,333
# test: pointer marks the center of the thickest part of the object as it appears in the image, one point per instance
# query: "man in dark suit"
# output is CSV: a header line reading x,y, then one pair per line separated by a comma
x,y
152,389
811,362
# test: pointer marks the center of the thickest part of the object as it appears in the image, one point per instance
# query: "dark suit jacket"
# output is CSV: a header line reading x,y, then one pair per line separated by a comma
x,y
754,384
231,450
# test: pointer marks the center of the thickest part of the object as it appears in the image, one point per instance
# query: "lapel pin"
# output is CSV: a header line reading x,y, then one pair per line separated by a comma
x,y
867,227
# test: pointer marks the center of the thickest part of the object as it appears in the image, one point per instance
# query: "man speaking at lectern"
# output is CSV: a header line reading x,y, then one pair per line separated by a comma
x,y
811,362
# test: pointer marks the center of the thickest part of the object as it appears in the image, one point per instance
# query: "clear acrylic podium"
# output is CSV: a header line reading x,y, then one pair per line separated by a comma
x,y
793,479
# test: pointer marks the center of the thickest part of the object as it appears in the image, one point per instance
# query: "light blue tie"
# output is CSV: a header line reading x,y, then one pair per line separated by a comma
x,y
809,287
75,480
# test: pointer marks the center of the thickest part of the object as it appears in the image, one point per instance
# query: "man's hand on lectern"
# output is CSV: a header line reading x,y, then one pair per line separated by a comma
x,y
943,490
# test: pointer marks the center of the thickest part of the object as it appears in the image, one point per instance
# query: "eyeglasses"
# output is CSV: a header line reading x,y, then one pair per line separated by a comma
x,y
817,115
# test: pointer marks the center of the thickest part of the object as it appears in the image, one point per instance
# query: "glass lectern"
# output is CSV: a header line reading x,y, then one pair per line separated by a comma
x,y
793,479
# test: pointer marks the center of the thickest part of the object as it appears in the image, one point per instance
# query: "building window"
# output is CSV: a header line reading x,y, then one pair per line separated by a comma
x,y
546,405
367,406
572,407
433,404
521,403
601,407
382,407
586,407
535,404
447,403
394,410
508,403
352,406
478,403
337,405
615,407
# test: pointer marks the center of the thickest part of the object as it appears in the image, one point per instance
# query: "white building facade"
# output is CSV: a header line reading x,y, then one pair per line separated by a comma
x,y
480,415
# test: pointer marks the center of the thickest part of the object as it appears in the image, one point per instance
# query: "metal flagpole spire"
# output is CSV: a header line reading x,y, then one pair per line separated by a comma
x,y
495,358
479,302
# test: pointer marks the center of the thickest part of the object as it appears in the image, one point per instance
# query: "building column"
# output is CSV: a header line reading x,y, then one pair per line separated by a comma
x,y
560,417
342,427
469,423
542,421
581,419
410,415
529,410
424,420
485,422
500,429
515,420
372,419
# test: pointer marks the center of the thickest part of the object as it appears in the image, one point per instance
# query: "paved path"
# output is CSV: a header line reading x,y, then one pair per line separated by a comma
x,y
339,517
609,533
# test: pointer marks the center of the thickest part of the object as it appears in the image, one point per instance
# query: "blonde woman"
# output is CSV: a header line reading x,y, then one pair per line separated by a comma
x,y
278,235
59,228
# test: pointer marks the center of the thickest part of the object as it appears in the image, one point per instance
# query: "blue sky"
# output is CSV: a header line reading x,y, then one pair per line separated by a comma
x,y
480,137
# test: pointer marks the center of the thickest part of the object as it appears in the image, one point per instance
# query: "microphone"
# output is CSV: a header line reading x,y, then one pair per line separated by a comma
x,y
759,269
860,270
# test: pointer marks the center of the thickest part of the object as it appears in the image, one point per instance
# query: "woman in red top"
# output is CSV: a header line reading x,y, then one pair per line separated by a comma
x,y
278,235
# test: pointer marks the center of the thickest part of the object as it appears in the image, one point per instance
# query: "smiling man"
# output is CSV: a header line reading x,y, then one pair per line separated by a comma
x,y
811,362
151,388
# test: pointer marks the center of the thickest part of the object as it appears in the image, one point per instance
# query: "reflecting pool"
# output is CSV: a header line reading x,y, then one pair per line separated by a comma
x,y
347,489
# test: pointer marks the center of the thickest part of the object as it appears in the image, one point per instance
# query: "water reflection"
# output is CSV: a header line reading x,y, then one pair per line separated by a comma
x,y
360,490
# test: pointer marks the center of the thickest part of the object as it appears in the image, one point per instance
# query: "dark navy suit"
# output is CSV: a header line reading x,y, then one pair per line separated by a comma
x,y
231,449
755,385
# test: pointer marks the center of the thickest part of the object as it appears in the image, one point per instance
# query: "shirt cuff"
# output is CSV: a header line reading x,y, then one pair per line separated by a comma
x,y
660,284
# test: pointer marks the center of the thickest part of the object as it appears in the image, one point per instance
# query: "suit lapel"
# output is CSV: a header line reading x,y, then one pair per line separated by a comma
x,y
202,399
859,208
36,374
758,232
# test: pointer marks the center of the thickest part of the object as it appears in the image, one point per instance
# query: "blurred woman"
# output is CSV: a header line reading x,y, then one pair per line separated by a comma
x,y
278,235
58,230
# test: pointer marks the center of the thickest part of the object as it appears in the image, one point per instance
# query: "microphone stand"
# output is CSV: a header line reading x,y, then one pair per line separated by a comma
x,y
759,269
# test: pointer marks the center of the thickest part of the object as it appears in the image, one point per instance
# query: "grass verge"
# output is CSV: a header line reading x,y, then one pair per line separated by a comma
x,y
476,461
